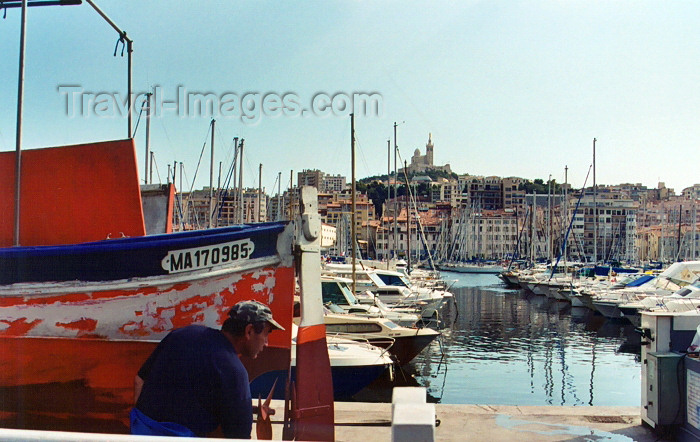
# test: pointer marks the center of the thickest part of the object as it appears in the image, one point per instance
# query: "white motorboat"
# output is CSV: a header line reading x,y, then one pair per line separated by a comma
x,y
336,291
354,365
404,343
393,288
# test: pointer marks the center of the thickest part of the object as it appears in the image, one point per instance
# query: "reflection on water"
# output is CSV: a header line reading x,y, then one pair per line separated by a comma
x,y
502,346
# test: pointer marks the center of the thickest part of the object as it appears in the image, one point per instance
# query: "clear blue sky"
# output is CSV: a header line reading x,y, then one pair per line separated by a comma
x,y
507,88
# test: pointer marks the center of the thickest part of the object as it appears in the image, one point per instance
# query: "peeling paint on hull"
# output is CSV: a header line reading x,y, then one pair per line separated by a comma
x,y
69,350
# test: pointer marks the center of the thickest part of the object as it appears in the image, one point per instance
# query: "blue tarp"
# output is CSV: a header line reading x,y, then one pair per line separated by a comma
x,y
640,281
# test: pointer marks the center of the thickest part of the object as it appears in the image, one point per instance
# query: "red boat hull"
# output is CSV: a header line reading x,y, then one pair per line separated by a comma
x,y
69,361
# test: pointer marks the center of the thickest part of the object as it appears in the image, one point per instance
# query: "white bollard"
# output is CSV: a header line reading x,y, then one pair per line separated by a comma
x,y
402,395
412,419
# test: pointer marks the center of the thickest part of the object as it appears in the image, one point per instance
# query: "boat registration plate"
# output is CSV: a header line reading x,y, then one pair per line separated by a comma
x,y
196,258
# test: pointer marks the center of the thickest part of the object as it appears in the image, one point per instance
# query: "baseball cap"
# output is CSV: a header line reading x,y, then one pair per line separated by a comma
x,y
253,311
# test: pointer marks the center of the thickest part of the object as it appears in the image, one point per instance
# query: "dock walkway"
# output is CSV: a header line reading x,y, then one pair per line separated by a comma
x,y
360,421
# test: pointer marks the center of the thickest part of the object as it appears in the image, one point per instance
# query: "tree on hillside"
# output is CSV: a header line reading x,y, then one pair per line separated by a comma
x,y
538,186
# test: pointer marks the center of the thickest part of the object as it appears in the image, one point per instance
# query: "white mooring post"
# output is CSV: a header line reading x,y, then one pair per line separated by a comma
x,y
412,419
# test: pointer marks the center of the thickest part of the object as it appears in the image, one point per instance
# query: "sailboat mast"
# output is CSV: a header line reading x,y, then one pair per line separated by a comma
x,y
211,177
185,215
408,219
663,235
218,179
279,196
694,229
240,185
236,166
396,193
533,258
20,100
291,186
549,218
678,241
260,194
566,207
146,168
388,194
352,197
595,212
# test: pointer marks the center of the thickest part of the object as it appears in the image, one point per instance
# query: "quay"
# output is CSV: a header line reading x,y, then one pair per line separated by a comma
x,y
362,421
357,421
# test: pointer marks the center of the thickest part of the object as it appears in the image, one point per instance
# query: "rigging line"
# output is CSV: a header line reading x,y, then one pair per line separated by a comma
x,y
143,104
220,136
201,153
231,149
568,230
155,163
189,207
178,204
362,154
170,144
274,185
420,225
223,192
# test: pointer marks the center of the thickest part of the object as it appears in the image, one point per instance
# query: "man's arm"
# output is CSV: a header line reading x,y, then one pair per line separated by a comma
x,y
138,385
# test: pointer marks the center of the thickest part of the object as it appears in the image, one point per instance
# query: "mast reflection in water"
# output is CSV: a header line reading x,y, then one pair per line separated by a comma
x,y
505,347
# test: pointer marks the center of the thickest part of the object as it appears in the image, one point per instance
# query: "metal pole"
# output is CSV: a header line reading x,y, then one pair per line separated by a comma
x,y
388,194
184,209
595,212
211,176
291,186
130,118
150,173
129,50
18,139
533,220
260,193
279,195
678,243
396,193
566,208
695,217
549,218
240,184
408,220
234,179
146,176
353,215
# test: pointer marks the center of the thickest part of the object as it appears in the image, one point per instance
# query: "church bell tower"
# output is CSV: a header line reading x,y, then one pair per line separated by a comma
x,y
429,150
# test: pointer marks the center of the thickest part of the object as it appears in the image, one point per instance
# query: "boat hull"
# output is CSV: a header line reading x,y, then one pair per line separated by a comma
x,y
70,350
510,278
347,381
405,349
485,269
88,386
609,309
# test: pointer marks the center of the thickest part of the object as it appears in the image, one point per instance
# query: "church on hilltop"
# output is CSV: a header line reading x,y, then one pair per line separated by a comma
x,y
422,163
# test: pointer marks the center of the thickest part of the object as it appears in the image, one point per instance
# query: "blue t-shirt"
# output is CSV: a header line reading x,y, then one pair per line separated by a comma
x,y
194,378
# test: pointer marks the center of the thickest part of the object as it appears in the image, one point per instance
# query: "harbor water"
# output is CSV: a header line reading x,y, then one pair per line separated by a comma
x,y
502,346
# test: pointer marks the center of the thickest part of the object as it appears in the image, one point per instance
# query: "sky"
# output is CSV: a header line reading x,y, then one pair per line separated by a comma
x,y
506,88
